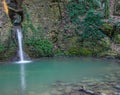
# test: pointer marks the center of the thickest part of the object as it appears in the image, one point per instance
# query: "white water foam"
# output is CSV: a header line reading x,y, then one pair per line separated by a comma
x,y
23,62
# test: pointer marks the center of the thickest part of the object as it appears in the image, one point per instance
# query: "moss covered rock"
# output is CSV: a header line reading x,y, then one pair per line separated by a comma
x,y
107,29
8,54
117,39
79,51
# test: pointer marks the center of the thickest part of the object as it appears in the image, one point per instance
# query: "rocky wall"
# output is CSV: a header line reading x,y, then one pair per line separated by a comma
x,y
4,24
114,14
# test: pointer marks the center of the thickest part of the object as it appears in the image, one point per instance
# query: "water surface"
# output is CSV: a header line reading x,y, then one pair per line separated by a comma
x,y
36,77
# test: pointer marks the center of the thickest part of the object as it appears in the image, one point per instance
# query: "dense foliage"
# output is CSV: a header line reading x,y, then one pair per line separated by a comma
x,y
39,47
92,24
84,16
86,20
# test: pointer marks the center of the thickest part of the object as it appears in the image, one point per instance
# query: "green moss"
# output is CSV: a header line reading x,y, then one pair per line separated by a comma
x,y
59,53
79,51
85,52
117,39
96,47
107,29
73,51
110,54
2,48
7,54
72,42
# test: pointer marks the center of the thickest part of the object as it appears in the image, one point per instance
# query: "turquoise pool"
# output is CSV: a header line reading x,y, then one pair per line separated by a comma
x,y
35,78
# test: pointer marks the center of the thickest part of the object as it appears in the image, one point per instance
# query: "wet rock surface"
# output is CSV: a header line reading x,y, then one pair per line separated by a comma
x,y
110,85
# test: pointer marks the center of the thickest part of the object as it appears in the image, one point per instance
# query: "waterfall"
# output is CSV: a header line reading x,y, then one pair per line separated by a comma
x,y
20,47
19,35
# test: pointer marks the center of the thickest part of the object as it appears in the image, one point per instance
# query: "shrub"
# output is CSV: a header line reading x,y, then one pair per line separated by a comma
x,y
39,47
117,39
2,48
85,52
73,51
107,29
92,24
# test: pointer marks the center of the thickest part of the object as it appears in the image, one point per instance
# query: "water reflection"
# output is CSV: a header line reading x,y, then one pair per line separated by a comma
x,y
23,79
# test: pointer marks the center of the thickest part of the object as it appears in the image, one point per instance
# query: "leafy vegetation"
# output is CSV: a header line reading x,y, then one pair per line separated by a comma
x,y
92,24
84,17
107,11
86,21
39,47
79,51
117,39
107,29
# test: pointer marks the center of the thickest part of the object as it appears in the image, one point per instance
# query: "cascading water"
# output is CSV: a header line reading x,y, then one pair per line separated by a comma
x,y
20,47
14,10
19,35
